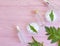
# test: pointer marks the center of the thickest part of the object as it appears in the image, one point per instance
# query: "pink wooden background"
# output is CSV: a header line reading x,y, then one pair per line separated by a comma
x,y
18,12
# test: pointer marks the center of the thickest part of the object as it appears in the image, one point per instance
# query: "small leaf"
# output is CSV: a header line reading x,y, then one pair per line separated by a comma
x,y
58,31
33,29
47,30
51,15
50,37
57,36
35,43
54,40
53,30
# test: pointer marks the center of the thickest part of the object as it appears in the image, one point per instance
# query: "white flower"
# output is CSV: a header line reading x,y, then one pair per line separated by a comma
x,y
46,0
35,25
51,16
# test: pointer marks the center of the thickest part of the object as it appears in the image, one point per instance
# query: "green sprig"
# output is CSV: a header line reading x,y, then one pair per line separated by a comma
x,y
54,34
35,43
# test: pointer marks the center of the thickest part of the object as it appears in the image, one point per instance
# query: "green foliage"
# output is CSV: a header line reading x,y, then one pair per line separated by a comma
x,y
51,15
54,34
33,29
35,43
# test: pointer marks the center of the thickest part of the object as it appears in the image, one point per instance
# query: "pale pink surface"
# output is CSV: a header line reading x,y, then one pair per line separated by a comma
x,y
18,12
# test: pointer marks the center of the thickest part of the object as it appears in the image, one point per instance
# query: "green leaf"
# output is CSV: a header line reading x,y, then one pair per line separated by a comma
x,y
59,43
50,37
51,15
54,34
53,30
58,31
33,29
54,40
47,30
35,43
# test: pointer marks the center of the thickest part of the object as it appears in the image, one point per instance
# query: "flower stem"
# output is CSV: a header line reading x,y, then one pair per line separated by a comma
x,y
59,43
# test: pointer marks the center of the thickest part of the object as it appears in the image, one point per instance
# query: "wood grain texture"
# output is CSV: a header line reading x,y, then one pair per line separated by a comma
x,y
19,12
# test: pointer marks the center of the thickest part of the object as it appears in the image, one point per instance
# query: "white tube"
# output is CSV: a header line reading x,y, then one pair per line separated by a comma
x,y
21,36
39,18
